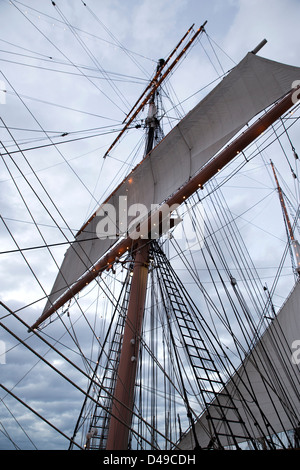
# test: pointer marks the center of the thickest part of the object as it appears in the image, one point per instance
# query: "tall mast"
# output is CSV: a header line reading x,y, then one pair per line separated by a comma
x,y
290,232
123,400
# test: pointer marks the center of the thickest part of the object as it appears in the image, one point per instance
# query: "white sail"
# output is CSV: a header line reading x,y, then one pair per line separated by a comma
x,y
253,85
267,381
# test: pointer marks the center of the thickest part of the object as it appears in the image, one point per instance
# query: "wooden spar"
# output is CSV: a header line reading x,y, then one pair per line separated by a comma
x,y
124,391
204,175
233,149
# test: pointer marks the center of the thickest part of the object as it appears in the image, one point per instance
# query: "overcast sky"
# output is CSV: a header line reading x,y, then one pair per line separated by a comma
x,y
54,77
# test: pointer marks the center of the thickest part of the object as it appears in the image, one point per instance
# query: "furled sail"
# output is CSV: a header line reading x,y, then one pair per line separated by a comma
x,y
253,85
267,381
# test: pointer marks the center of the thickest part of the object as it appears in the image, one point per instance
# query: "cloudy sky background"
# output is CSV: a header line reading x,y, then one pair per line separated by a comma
x,y
55,84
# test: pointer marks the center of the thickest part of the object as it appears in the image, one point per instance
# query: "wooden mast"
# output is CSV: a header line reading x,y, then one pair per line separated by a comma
x,y
123,400
291,235
156,82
